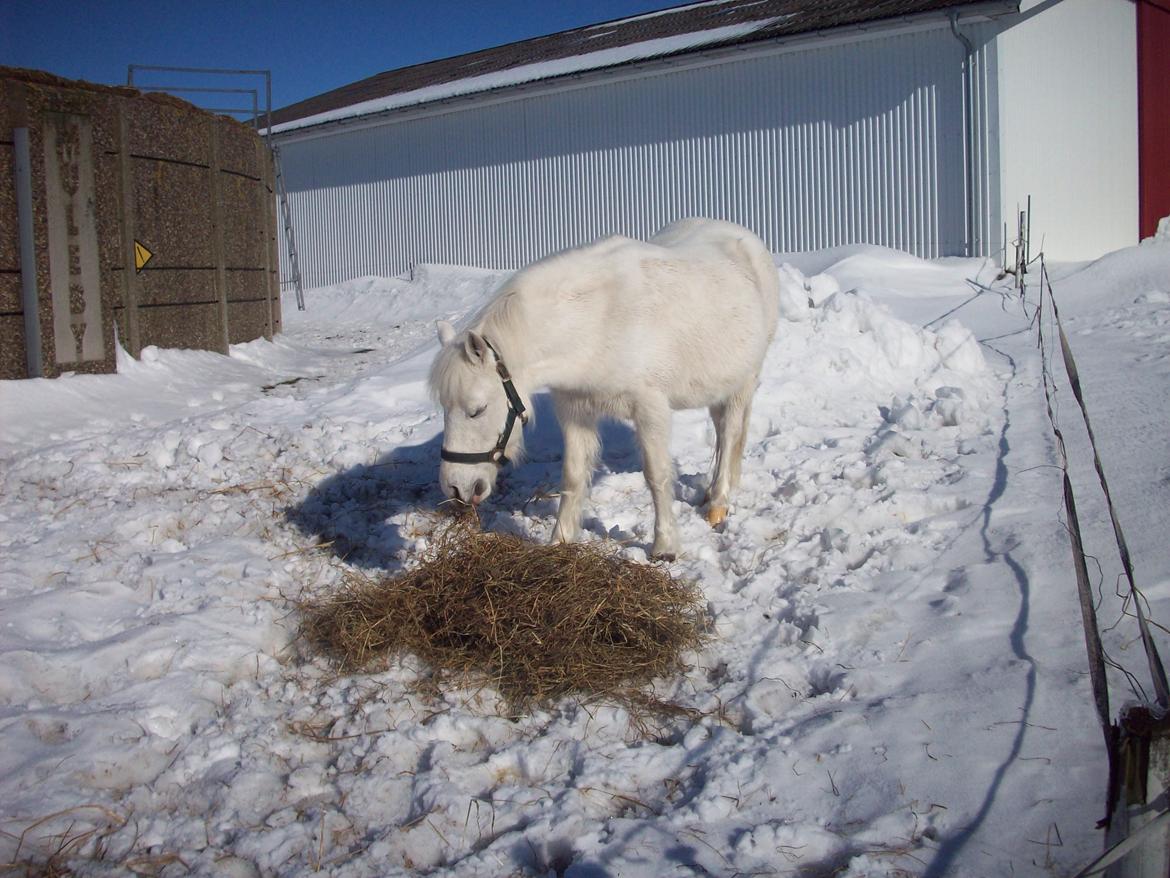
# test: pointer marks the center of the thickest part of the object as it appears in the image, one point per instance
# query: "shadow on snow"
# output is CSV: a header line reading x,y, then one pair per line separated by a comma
x,y
358,511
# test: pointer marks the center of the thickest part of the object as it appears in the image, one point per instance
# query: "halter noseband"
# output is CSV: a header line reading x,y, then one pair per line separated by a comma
x,y
515,410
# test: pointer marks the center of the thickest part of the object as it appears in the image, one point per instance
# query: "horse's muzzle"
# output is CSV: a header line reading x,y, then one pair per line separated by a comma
x,y
467,484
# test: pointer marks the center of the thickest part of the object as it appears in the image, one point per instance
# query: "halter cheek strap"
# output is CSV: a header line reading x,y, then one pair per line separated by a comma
x,y
515,410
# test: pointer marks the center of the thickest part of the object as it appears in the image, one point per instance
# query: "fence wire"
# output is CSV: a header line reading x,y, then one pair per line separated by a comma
x,y
1132,596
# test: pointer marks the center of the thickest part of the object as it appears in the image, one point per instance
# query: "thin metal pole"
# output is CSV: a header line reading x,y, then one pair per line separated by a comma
x,y
228,110
968,135
29,298
209,89
1028,234
134,67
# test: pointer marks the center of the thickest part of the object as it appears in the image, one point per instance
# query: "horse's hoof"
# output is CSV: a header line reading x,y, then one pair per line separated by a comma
x,y
560,535
716,515
664,550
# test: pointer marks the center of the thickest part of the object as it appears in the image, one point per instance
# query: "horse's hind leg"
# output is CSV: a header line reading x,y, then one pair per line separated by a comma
x,y
731,423
741,442
579,426
652,422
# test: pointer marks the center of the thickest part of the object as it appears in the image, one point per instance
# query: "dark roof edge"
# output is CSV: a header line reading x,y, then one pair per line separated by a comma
x,y
464,55
702,56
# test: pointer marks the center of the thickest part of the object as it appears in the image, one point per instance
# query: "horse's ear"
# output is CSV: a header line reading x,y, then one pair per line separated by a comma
x,y
475,347
446,332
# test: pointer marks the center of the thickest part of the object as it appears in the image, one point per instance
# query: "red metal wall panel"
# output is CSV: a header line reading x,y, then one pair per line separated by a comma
x,y
1153,56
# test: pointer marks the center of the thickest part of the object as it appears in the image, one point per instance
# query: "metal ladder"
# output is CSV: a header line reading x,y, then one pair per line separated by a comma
x,y
289,239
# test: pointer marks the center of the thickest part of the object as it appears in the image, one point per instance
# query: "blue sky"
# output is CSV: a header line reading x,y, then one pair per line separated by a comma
x,y
310,47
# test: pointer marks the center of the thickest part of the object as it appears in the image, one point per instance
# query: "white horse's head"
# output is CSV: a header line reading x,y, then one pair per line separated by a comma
x,y
482,414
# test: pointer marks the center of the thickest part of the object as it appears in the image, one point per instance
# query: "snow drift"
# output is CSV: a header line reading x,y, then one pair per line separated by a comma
x,y
895,682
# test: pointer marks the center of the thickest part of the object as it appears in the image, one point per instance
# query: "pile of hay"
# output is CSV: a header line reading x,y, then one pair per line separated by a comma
x,y
535,622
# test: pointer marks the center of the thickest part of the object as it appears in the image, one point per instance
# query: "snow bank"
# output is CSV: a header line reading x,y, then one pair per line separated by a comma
x,y
434,292
1161,234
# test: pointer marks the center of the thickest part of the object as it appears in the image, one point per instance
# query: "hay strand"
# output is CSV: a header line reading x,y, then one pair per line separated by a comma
x,y
535,622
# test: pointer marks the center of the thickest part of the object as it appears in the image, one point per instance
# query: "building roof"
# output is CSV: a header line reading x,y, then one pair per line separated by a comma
x,y
696,26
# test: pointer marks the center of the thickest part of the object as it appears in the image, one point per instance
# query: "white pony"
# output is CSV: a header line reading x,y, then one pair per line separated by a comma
x,y
620,329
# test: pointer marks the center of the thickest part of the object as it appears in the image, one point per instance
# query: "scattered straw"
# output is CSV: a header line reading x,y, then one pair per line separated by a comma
x,y
536,622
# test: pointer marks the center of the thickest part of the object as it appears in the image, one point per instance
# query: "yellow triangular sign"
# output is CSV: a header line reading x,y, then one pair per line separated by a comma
x,y
141,256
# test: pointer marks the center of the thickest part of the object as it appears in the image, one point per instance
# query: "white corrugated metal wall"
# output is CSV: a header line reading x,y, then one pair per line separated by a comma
x,y
812,148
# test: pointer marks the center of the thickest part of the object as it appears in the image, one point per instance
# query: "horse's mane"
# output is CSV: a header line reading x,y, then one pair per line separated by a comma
x,y
504,319
499,321
446,380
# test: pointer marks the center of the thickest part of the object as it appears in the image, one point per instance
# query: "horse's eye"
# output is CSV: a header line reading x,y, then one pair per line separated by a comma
x,y
479,411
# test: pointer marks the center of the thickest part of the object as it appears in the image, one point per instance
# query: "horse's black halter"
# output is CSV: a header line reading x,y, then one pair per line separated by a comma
x,y
515,410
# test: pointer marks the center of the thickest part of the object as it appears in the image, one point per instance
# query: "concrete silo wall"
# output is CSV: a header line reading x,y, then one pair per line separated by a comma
x,y
92,179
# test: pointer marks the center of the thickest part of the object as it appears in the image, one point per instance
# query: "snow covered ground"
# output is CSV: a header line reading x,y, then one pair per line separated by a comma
x,y
897,685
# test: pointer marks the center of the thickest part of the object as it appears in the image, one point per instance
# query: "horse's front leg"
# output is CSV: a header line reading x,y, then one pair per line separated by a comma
x,y
581,448
652,421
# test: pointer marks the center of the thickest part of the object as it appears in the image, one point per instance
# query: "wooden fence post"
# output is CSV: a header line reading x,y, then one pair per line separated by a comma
x,y
1145,790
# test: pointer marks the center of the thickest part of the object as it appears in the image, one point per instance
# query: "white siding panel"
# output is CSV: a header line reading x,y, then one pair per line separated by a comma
x,y
861,142
1068,125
